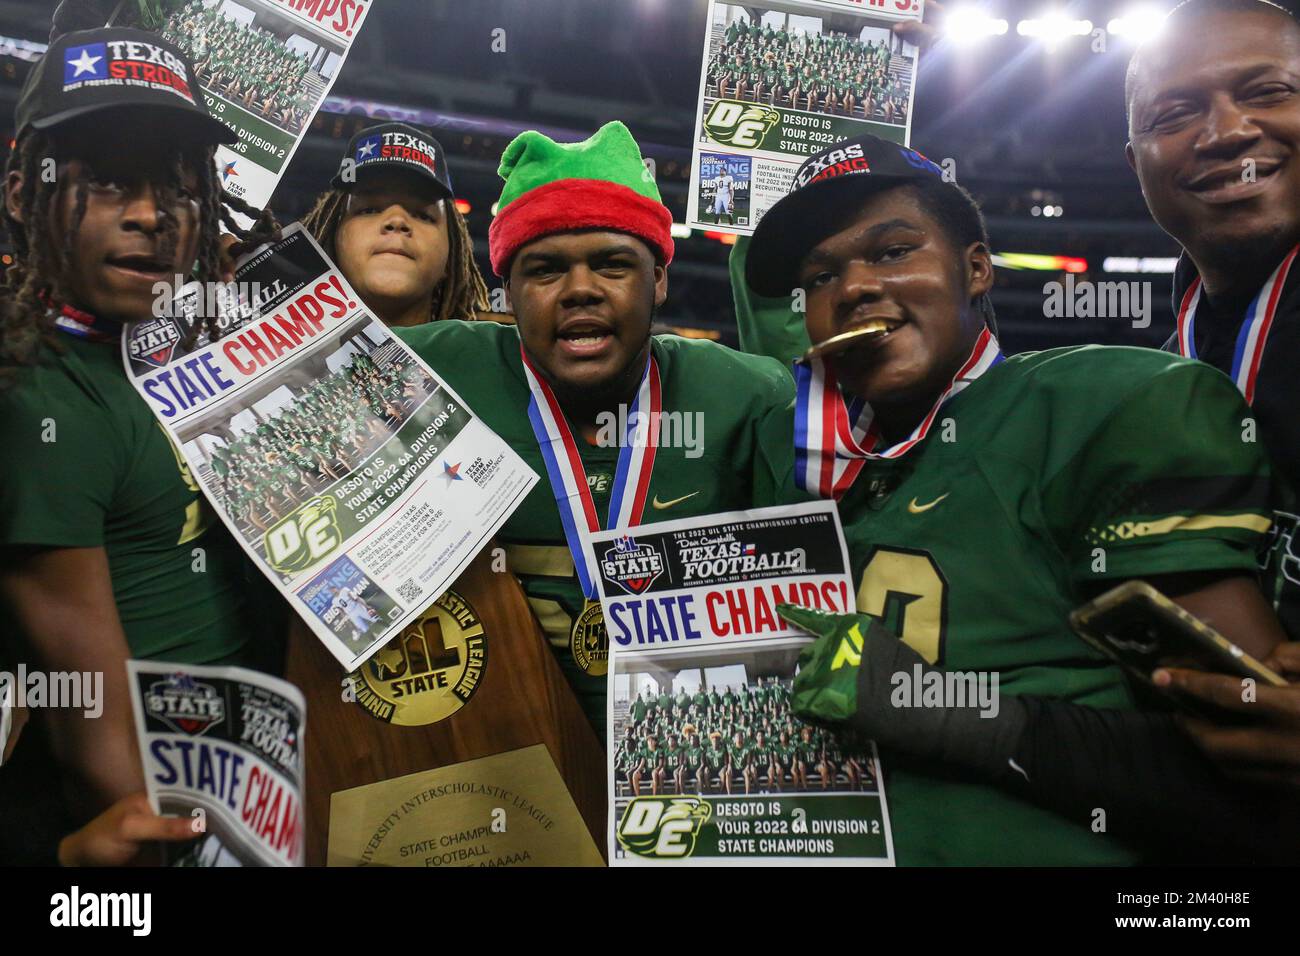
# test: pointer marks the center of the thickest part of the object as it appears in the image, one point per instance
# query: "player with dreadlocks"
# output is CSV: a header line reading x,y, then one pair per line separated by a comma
x,y
107,549
389,219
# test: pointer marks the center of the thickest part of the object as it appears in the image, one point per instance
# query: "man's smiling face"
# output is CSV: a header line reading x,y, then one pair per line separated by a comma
x,y
1214,131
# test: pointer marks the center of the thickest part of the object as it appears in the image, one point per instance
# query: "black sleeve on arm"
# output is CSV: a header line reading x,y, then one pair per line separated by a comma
x,y
1160,794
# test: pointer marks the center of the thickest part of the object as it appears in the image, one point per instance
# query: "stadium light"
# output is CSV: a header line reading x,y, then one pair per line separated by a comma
x,y
463,206
969,24
680,230
1137,24
1053,27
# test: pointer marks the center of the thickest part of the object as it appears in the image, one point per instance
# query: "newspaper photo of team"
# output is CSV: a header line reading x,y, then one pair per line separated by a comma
x,y
829,72
244,63
328,429
740,741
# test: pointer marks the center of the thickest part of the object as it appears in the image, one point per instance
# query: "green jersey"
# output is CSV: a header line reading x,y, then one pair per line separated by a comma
x,y
624,759
1071,470
715,757
727,470
694,756
738,754
86,465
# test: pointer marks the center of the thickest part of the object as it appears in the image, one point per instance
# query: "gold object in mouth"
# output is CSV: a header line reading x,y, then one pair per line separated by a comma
x,y
845,340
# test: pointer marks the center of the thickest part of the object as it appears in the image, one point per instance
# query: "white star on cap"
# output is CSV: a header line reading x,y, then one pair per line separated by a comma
x,y
85,63
368,148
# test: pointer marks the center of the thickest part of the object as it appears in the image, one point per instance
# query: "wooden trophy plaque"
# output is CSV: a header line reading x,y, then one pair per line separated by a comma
x,y
458,743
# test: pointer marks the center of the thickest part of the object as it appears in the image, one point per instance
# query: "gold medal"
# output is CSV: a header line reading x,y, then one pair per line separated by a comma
x,y
429,671
589,641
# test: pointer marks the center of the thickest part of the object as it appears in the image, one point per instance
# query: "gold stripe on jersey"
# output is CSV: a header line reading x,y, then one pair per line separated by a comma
x,y
1127,530
543,559
555,621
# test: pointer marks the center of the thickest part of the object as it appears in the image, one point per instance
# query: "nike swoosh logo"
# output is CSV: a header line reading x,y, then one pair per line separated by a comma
x,y
916,509
661,505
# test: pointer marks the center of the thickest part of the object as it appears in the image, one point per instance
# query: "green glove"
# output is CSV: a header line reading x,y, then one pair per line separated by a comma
x,y
858,675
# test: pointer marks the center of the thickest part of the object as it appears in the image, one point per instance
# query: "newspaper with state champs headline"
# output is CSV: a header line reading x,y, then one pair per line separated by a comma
x,y
352,475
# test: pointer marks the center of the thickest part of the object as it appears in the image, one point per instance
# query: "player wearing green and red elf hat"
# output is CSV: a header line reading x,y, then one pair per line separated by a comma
x,y
582,241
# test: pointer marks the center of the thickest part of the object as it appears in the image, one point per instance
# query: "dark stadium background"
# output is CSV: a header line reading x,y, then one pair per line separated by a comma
x,y
1027,126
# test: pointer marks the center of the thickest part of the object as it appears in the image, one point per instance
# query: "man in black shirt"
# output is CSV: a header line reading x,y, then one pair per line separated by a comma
x,y
1215,142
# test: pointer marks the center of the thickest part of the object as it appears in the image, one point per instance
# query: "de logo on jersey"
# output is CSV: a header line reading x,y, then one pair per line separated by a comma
x,y
663,828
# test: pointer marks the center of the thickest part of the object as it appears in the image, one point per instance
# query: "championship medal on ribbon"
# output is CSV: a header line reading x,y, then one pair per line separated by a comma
x,y
832,440
589,640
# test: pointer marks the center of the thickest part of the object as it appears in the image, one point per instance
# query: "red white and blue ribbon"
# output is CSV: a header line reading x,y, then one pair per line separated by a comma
x,y
636,460
1251,338
832,441
86,326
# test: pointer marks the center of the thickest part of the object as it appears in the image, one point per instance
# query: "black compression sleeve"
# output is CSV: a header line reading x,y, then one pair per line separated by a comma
x,y
1158,793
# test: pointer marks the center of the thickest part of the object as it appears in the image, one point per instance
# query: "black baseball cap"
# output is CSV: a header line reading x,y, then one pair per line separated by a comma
x,y
823,186
393,146
120,69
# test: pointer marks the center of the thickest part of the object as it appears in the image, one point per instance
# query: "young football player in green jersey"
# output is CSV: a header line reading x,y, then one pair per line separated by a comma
x,y
809,756
739,763
107,549
763,757
693,759
675,763
681,702
650,763
759,695
715,762
390,222
972,545
783,762
583,242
